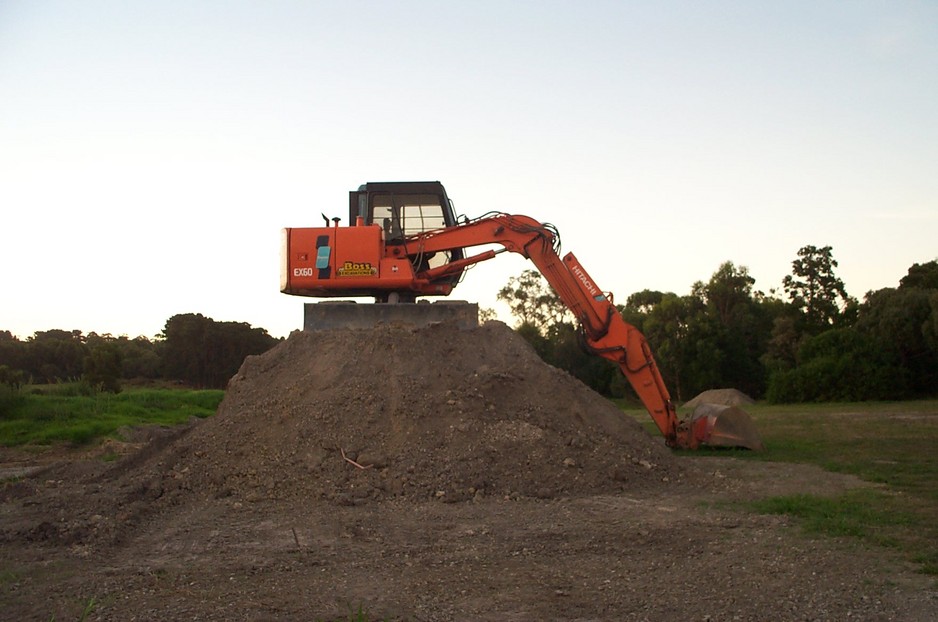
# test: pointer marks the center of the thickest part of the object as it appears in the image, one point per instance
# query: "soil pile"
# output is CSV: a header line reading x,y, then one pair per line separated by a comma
x,y
353,416
350,417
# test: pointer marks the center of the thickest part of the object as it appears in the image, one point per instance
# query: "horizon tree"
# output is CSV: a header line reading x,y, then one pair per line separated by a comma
x,y
816,290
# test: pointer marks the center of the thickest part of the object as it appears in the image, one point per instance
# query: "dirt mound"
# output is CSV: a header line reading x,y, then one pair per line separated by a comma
x,y
358,415
724,397
350,417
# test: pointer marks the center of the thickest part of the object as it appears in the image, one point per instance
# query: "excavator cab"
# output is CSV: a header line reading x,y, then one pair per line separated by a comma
x,y
405,209
382,253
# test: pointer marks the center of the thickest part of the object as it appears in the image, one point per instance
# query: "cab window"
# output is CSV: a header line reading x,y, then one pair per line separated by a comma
x,y
406,214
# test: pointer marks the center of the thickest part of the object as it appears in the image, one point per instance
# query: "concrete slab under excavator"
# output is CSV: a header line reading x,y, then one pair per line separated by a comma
x,y
349,314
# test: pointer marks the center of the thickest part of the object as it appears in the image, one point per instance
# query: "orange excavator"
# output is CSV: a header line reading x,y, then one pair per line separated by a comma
x,y
405,241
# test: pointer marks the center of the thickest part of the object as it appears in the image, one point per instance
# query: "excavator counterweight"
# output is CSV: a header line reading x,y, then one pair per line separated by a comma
x,y
405,241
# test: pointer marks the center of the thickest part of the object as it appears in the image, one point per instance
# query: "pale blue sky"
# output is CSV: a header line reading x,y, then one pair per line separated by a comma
x,y
150,152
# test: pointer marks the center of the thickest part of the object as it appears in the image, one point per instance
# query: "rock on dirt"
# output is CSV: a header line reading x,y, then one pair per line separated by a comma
x,y
723,397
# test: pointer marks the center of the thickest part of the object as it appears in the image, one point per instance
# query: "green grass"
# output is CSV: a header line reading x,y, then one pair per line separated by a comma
x,y
8,576
61,415
861,513
88,609
893,444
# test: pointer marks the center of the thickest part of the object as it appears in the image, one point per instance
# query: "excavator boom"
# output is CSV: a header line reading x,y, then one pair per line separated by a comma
x,y
361,260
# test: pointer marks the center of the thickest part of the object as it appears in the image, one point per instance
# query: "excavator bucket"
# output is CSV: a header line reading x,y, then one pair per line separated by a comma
x,y
717,425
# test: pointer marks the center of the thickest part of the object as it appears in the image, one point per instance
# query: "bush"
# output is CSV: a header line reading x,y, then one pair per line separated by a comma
x,y
839,365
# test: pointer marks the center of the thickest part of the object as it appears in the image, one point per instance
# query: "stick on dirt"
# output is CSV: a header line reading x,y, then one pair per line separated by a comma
x,y
352,462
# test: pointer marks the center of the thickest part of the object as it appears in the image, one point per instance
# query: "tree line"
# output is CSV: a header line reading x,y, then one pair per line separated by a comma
x,y
191,349
808,341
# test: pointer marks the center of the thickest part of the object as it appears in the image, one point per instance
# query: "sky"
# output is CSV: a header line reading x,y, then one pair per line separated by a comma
x,y
151,152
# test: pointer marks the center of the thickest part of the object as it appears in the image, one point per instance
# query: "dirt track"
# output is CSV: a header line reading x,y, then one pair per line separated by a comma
x,y
424,476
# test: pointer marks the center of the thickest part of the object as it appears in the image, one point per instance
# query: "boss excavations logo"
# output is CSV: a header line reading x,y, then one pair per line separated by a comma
x,y
357,268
